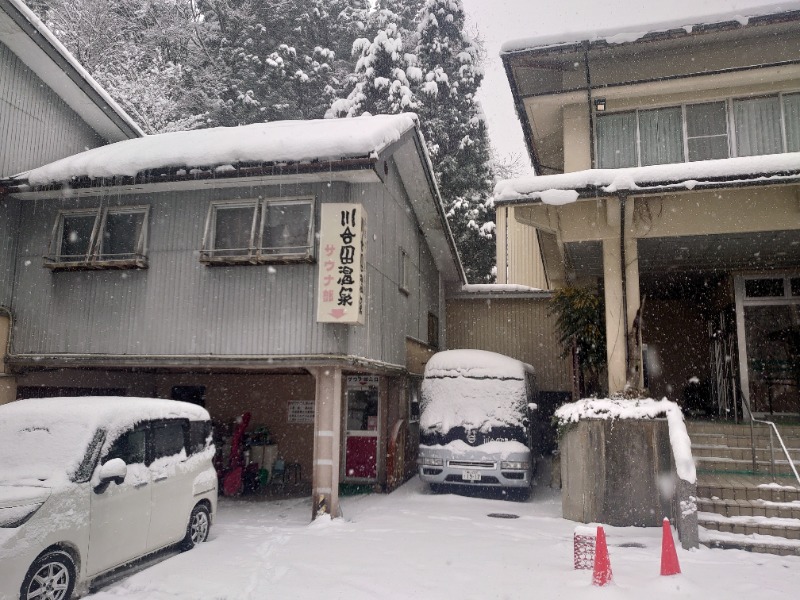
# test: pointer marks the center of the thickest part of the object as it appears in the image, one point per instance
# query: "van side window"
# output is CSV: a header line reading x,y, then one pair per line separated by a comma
x,y
199,431
168,439
130,447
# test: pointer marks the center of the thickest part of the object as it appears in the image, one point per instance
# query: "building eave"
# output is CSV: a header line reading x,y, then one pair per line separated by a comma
x,y
40,50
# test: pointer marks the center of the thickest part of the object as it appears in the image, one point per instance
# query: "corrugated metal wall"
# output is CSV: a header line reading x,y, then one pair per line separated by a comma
x,y
9,217
525,265
36,126
179,306
517,327
393,314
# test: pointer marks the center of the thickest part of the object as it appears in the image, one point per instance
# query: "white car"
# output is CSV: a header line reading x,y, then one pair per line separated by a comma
x,y
90,484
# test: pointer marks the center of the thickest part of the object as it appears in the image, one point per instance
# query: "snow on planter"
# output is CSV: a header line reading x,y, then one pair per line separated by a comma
x,y
642,408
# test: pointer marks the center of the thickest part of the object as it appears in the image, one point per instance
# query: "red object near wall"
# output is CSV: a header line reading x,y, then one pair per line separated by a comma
x,y
362,457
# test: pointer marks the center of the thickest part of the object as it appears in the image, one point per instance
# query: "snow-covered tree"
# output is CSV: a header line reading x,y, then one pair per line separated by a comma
x,y
453,125
382,83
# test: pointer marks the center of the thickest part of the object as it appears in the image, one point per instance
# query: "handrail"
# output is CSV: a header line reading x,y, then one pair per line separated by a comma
x,y
774,428
771,450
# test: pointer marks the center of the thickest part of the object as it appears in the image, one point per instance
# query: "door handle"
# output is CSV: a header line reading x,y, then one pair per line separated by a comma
x,y
140,484
159,478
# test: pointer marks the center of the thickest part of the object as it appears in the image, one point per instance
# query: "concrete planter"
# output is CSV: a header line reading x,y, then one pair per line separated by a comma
x,y
611,471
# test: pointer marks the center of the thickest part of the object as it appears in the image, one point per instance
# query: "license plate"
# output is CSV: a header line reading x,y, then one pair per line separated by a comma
x,y
471,475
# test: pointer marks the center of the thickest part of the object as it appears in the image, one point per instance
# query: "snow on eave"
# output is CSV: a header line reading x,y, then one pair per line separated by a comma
x,y
727,172
277,142
750,16
50,44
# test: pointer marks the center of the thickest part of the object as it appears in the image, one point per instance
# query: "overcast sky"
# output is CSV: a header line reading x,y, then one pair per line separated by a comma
x,y
499,21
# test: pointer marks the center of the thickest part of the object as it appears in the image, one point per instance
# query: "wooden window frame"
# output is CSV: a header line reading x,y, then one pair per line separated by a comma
x,y
94,259
256,253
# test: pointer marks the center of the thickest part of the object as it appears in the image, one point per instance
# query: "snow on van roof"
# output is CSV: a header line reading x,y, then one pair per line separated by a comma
x,y
221,147
45,439
475,364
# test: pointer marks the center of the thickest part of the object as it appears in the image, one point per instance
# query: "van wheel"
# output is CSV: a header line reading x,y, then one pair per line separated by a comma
x,y
51,577
198,527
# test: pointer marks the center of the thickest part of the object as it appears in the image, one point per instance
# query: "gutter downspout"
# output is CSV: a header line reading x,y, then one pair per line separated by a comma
x,y
622,198
591,108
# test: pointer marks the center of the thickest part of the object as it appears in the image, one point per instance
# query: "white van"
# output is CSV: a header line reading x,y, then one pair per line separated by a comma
x,y
476,426
90,484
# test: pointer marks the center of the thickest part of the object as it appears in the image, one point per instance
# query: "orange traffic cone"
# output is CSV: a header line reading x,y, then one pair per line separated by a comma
x,y
669,557
602,564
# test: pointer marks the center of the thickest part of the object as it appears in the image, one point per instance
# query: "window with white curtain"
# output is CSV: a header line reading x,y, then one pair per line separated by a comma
x,y
791,116
704,131
616,140
660,136
758,126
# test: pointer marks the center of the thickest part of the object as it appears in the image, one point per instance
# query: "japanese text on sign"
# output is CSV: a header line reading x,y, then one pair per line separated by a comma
x,y
340,297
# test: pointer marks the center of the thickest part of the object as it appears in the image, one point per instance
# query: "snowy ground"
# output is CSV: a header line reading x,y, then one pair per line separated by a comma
x,y
412,544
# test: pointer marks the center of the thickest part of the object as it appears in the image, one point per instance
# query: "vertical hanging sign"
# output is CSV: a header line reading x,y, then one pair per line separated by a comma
x,y
342,263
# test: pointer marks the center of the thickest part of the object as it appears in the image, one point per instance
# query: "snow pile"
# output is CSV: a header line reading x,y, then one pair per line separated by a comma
x,y
615,36
563,188
44,440
644,408
475,389
276,142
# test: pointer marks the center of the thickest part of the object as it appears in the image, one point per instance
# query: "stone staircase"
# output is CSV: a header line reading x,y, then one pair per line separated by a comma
x,y
737,506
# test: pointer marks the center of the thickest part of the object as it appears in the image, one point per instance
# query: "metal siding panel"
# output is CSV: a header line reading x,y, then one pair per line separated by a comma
x,y
521,328
36,125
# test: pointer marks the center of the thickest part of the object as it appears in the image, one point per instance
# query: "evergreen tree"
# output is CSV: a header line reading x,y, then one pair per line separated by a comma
x,y
453,126
381,84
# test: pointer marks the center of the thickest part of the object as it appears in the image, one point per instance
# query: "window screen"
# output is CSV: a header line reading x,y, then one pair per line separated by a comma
x,y
707,131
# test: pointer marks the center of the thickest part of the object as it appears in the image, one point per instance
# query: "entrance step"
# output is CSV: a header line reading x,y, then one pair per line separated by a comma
x,y
738,508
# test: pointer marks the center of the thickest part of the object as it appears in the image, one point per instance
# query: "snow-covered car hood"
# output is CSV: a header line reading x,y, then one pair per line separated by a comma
x,y
20,495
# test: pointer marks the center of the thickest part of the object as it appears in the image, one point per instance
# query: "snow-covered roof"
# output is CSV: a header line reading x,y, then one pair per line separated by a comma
x,y
567,187
476,364
25,34
319,140
622,36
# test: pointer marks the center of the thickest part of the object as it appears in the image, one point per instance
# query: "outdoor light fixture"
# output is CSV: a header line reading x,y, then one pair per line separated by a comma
x,y
600,104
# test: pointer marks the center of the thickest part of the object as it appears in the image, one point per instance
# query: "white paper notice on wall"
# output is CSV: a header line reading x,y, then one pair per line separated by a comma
x,y
341,265
301,411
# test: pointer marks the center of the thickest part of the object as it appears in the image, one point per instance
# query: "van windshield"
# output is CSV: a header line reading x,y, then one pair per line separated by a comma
x,y
480,404
37,448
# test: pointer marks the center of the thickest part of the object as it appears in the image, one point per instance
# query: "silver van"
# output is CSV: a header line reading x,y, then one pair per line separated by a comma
x,y
475,423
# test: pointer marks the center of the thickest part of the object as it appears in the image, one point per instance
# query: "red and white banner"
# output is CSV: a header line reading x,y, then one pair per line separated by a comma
x,y
342,264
